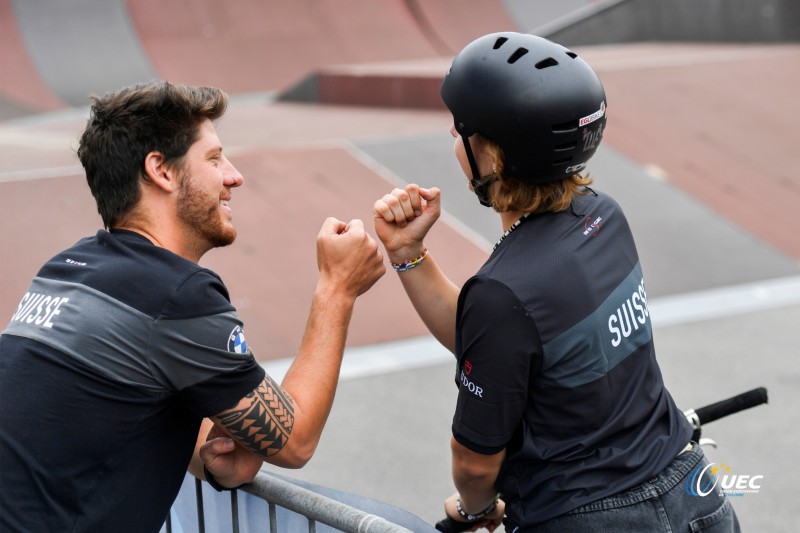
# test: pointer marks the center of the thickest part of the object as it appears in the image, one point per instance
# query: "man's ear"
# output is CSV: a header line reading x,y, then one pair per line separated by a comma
x,y
159,173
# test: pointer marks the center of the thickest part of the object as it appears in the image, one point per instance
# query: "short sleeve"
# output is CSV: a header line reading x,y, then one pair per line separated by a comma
x,y
498,349
204,357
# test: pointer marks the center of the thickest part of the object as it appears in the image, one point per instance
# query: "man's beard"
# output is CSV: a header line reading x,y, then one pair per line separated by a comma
x,y
202,214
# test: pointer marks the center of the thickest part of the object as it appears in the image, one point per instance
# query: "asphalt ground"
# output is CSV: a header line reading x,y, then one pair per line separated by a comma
x,y
724,288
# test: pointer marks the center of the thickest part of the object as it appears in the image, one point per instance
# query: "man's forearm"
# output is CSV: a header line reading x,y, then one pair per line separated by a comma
x,y
312,379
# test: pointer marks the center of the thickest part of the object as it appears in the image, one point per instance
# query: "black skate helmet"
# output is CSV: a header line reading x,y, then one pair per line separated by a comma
x,y
541,103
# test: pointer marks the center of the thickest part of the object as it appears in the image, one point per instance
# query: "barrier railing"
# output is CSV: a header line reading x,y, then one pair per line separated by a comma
x,y
278,493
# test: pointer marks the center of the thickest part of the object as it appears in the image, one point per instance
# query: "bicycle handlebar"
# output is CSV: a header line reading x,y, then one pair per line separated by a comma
x,y
697,417
448,525
737,403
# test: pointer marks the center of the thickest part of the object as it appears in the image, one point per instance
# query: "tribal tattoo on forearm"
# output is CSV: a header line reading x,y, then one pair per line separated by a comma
x,y
265,424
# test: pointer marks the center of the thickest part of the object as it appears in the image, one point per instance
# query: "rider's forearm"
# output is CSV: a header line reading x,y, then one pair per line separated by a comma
x,y
474,476
434,298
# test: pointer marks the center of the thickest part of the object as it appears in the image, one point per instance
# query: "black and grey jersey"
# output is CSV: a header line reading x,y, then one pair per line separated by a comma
x,y
112,358
556,364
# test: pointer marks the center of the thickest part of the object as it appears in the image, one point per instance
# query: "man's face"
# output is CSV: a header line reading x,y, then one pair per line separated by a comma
x,y
207,178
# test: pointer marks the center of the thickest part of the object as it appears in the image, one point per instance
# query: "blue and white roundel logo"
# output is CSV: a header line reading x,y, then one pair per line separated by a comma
x,y
236,341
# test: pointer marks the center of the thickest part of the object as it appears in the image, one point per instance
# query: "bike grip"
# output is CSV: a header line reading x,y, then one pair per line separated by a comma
x,y
737,403
448,525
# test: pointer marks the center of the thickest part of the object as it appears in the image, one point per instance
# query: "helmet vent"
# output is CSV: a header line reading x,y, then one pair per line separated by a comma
x,y
573,55
565,147
565,127
563,161
499,42
518,53
545,63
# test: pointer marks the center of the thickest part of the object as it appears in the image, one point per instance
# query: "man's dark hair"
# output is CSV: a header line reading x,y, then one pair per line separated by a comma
x,y
126,125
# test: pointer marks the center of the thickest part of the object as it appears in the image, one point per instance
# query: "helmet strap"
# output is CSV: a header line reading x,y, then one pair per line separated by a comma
x,y
481,188
480,184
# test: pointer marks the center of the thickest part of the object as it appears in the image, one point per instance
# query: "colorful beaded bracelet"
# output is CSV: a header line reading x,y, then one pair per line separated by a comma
x,y
408,264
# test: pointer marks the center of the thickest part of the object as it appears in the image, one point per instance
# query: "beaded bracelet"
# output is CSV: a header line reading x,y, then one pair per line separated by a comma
x,y
408,264
477,516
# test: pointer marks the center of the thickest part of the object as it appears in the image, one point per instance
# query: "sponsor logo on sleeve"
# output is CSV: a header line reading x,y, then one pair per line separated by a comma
x,y
236,341
467,384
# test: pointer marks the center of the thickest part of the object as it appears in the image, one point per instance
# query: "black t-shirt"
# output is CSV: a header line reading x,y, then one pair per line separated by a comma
x,y
556,364
111,360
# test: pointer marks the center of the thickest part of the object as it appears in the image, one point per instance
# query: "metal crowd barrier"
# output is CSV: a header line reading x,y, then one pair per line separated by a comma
x,y
278,493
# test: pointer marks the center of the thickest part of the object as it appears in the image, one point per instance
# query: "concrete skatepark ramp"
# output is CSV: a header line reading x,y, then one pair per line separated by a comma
x,y
54,54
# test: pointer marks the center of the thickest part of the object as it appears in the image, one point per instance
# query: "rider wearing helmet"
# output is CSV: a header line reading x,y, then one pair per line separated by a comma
x,y
563,422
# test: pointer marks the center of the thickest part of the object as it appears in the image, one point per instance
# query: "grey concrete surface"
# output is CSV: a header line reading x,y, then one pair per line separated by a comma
x,y
617,21
81,45
531,15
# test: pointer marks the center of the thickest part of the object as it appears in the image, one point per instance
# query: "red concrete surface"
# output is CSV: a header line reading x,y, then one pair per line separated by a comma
x,y
455,23
264,45
299,168
720,120
20,82
255,45
449,25
272,272
342,86
41,218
